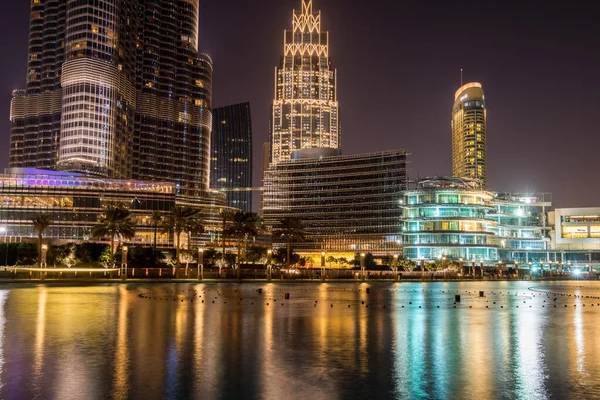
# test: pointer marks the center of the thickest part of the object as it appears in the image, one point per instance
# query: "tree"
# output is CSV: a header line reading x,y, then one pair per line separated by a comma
x,y
187,257
114,221
156,219
181,219
226,215
243,225
40,224
290,229
256,254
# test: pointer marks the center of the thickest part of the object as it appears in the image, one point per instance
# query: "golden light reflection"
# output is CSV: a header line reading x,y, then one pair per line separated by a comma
x,y
121,372
40,335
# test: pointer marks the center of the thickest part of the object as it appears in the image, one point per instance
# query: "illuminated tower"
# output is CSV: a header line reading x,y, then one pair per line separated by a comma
x,y
174,82
469,158
305,111
116,88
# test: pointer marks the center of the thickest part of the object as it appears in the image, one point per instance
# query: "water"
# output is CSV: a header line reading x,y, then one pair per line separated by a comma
x,y
117,341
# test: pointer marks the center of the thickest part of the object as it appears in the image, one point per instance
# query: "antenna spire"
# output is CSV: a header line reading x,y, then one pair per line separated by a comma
x,y
461,77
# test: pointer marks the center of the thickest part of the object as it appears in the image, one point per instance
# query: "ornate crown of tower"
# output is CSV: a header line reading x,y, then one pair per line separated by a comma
x,y
307,22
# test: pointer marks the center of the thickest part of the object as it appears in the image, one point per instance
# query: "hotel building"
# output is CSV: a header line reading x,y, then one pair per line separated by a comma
x,y
469,152
305,111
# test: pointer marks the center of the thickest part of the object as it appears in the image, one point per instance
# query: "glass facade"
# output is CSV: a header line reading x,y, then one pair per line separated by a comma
x,y
448,217
75,201
347,203
173,120
457,218
116,88
231,154
469,118
305,110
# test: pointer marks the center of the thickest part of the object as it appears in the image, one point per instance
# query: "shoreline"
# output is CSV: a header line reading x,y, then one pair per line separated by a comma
x,y
87,281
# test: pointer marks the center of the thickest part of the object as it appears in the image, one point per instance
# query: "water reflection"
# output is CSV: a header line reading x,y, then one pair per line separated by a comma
x,y
328,341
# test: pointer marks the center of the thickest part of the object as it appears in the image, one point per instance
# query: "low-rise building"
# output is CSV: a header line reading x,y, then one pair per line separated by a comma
x,y
75,202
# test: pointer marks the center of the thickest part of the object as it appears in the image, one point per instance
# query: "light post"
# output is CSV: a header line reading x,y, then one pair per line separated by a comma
x,y
396,266
322,265
517,268
269,256
362,265
473,267
499,268
422,267
200,263
43,260
124,251
461,265
481,267
44,254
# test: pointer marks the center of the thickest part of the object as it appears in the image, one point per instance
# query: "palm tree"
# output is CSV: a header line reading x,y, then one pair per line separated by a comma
x,y
227,215
180,220
291,229
115,221
243,224
156,220
40,224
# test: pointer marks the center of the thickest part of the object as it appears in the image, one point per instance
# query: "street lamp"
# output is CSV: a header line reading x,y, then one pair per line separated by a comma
x,y
322,265
200,263
396,265
362,264
124,252
44,253
269,256
517,268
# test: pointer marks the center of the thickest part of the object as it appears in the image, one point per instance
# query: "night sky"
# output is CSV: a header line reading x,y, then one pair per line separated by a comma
x,y
399,65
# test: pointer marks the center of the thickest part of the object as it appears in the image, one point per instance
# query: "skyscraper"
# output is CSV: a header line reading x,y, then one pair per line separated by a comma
x,y
116,88
173,117
469,158
77,112
231,154
305,111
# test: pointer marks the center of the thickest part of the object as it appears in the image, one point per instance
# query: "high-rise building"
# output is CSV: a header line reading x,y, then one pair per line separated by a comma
x,y
469,157
305,111
116,88
173,117
78,109
231,154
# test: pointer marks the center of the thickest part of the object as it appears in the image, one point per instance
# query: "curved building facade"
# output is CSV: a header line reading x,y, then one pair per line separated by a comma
x,y
305,111
469,117
448,217
347,203
174,81
98,98
116,88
